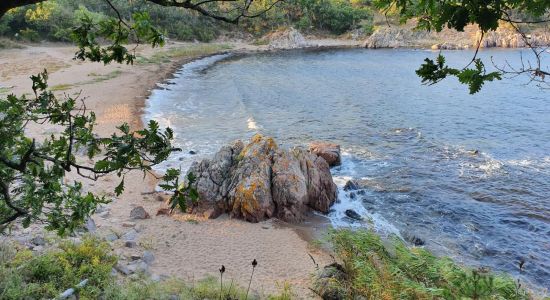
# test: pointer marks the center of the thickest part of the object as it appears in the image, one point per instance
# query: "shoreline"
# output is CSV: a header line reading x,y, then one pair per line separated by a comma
x,y
185,248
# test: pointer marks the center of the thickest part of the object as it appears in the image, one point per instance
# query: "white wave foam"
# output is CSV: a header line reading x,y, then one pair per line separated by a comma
x,y
251,123
338,216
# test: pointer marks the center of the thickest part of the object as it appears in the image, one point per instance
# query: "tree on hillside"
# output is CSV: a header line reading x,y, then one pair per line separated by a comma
x,y
488,15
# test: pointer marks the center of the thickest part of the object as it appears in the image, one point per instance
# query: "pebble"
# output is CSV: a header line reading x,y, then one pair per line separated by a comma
x,y
139,213
90,225
123,269
148,257
130,235
128,224
130,244
111,237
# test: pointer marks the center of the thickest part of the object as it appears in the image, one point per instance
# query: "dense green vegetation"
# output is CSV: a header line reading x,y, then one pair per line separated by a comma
x,y
54,20
25,275
376,269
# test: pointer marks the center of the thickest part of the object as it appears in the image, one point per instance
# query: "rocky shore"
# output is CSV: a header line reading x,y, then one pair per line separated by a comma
x,y
407,37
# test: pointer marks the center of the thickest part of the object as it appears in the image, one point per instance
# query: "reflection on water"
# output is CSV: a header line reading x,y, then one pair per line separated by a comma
x,y
470,175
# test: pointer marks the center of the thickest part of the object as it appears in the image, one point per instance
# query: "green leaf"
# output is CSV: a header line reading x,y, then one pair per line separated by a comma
x,y
119,188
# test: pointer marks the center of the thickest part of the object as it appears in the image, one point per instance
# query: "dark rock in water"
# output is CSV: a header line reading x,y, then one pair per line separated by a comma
x,y
259,181
352,214
351,186
361,192
352,195
413,239
192,152
327,283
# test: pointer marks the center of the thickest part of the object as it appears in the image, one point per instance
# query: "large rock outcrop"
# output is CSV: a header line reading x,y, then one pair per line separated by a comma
x,y
286,39
258,181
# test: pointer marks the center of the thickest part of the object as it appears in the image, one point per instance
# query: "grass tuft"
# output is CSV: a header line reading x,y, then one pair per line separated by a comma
x,y
376,269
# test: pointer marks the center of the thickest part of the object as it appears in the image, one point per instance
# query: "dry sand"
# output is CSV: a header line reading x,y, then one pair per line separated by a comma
x,y
188,250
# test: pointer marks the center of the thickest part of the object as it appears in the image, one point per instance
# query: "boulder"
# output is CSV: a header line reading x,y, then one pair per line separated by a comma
x,y
286,39
259,181
329,151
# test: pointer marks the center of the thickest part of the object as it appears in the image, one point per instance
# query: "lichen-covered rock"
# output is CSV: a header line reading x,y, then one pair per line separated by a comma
x,y
260,181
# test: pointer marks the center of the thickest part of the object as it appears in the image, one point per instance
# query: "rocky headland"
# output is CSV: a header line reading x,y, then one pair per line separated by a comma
x,y
407,37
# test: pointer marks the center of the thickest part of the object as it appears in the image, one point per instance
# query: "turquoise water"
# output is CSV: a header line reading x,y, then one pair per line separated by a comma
x,y
413,143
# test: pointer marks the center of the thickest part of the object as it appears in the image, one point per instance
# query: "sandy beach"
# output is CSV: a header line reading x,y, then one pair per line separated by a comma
x,y
186,249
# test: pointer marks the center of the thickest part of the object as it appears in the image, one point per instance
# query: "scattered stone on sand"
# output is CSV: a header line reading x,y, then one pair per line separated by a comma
x,y
121,268
111,237
139,213
90,225
128,224
260,181
130,235
329,151
148,257
130,244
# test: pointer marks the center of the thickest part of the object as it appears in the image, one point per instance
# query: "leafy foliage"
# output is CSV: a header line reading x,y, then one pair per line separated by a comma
x,y
25,276
390,270
456,14
32,172
432,72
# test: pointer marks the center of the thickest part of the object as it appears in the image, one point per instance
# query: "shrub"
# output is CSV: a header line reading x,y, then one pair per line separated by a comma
x,y
390,270
46,276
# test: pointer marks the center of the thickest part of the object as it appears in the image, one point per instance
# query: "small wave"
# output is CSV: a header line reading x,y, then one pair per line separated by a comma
x,y
251,123
338,215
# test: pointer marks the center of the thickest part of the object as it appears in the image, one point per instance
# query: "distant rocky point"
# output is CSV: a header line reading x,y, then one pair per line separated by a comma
x,y
259,181
407,36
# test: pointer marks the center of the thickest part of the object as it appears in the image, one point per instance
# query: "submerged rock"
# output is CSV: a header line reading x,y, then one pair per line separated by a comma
x,y
260,181
351,186
413,239
352,214
329,151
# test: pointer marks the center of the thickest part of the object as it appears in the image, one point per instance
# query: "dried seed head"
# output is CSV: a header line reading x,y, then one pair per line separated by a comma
x,y
254,263
222,269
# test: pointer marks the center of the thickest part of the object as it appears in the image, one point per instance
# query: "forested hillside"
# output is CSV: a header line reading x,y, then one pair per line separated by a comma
x,y
54,20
